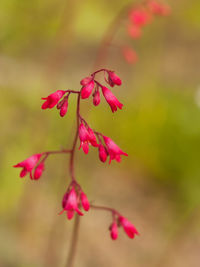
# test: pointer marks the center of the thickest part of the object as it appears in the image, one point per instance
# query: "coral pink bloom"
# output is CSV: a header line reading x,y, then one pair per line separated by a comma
x,y
52,99
134,31
71,204
86,80
140,16
158,8
38,171
113,79
113,150
84,137
87,89
84,201
28,164
96,98
114,231
64,107
92,138
129,228
102,153
111,99
130,55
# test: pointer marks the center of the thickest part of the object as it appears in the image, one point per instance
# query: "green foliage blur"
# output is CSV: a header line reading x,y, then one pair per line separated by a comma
x,y
50,45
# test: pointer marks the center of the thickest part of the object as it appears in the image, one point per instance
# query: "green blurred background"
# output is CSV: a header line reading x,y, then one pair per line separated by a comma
x,y
50,45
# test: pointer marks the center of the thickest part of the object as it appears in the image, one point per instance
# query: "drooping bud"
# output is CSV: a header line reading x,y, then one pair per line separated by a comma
x,y
113,79
38,171
114,231
111,99
129,228
86,80
96,98
64,107
84,201
87,89
52,99
102,153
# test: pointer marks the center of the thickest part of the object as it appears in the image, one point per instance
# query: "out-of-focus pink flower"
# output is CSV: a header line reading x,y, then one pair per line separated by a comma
x,y
134,31
113,79
64,107
96,98
129,228
38,171
111,99
159,8
28,164
102,153
84,201
114,151
86,80
129,55
114,231
87,89
52,99
140,16
70,204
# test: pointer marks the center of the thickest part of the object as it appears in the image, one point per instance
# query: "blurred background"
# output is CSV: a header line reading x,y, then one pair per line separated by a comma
x,y
51,45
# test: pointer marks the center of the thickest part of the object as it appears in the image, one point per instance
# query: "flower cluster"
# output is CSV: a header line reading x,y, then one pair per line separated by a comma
x,y
128,227
75,200
140,16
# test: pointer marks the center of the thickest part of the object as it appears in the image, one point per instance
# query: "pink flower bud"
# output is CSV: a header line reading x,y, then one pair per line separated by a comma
x,y
52,99
102,153
114,231
114,151
129,228
63,109
28,164
71,203
130,55
86,80
140,16
134,31
84,201
84,137
92,138
113,79
96,98
87,89
159,9
38,171
111,99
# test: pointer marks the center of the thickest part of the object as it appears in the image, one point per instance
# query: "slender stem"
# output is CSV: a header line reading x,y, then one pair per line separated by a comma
x,y
58,151
104,208
73,247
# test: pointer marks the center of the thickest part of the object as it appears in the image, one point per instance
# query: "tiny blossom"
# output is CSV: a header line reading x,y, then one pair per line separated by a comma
x,y
129,228
102,153
64,107
84,136
87,89
52,99
114,231
140,16
134,31
130,55
28,164
70,204
92,138
84,201
111,99
86,80
96,98
159,8
113,79
114,151
38,171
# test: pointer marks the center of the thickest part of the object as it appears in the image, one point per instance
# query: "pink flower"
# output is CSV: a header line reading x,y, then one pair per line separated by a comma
x,y
52,99
86,80
28,164
130,55
158,8
102,153
114,231
111,99
96,98
64,107
92,138
129,228
87,89
84,201
140,16
87,137
70,204
113,150
134,31
113,79
38,171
